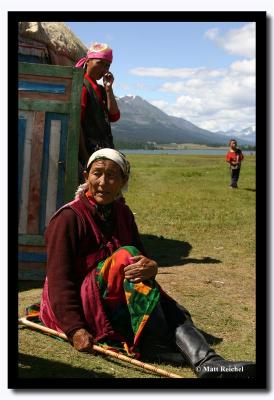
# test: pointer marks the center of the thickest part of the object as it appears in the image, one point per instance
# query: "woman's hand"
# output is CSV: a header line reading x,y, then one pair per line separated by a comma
x,y
82,340
142,268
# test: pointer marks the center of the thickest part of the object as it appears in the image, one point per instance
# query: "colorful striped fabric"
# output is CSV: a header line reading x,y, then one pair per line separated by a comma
x,y
128,305
33,314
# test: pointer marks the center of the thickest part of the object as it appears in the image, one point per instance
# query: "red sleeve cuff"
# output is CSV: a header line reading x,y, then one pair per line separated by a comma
x,y
114,117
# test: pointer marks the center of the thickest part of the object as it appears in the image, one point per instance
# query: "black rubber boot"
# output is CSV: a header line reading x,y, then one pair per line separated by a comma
x,y
204,361
157,343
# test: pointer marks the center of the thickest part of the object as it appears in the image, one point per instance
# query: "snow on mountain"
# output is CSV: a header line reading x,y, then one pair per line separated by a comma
x,y
247,134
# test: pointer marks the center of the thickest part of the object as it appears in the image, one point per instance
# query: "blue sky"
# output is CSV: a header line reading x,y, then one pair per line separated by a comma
x,y
203,72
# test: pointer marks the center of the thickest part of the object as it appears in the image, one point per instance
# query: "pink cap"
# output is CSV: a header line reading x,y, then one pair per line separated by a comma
x,y
97,50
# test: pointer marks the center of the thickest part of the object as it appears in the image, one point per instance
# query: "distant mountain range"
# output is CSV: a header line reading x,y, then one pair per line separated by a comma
x,y
247,134
141,122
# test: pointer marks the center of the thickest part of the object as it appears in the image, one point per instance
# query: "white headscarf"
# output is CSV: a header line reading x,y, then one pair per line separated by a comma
x,y
109,154
114,155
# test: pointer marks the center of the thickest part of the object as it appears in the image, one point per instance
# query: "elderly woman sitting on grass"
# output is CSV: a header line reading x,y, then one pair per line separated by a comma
x,y
101,287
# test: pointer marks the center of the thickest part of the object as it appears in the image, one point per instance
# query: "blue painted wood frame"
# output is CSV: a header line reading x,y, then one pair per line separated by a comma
x,y
32,59
32,257
41,87
45,165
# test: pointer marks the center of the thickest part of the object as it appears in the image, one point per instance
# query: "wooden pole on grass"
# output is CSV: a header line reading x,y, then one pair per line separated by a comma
x,y
99,349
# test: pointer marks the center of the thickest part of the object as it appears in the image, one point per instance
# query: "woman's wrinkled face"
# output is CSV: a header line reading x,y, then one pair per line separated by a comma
x,y
105,180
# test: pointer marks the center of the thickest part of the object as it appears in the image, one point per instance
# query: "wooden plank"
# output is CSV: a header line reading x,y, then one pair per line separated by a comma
x,y
38,240
44,88
52,181
29,266
22,122
44,173
71,179
50,97
35,172
62,163
41,87
54,166
31,249
31,274
44,105
32,257
46,79
45,69
23,209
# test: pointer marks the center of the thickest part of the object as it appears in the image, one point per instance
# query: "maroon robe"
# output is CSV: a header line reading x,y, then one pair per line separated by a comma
x,y
77,239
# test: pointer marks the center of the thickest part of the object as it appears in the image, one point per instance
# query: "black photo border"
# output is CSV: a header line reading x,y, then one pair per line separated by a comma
x,y
262,125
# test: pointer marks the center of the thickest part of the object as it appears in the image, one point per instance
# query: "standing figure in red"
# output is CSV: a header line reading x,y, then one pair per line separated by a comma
x,y
234,157
98,103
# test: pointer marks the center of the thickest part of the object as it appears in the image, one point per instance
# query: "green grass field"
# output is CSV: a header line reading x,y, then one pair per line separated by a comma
x,y
202,233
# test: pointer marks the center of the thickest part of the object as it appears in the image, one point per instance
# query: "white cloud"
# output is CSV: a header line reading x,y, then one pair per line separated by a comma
x,y
182,73
212,34
140,85
229,119
123,86
162,104
197,83
239,42
173,87
244,66
164,72
215,99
